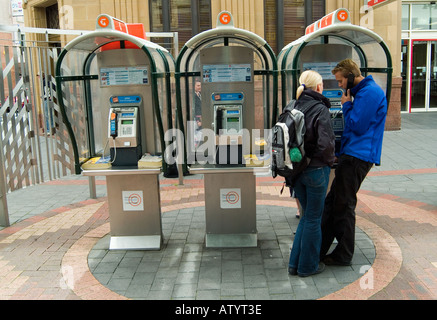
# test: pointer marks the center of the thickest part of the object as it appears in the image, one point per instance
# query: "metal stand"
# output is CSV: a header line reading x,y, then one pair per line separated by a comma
x,y
134,208
230,206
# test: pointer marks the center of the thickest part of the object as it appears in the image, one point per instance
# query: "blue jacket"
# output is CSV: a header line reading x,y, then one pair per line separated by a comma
x,y
364,121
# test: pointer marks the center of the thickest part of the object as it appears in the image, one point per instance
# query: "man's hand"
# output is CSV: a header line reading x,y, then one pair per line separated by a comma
x,y
346,98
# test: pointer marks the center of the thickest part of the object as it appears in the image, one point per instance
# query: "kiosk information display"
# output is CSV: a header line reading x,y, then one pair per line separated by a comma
x,y
122,124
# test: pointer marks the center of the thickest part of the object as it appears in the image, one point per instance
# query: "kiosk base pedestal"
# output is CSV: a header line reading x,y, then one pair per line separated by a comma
x,y
230,206
135,243
134,208
231,240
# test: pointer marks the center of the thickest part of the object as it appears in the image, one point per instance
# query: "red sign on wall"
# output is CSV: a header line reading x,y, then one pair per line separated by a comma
x,y
374,2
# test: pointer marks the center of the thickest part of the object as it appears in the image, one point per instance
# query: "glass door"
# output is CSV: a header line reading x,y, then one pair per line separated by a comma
x,y
419,75
404,74
424,75
433,76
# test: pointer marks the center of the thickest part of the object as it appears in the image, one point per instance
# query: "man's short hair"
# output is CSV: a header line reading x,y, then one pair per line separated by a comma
x,y
347,67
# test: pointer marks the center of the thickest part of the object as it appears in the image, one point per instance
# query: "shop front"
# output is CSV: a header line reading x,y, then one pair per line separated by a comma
x,y
419,56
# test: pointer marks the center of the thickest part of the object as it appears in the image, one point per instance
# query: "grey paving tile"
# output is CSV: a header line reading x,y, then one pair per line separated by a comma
x,y
257,293
256,281
232,276
208,294
163,284
143,278
187,277
279,287
232,289
148,266
185,291
306,292
160,294
119,284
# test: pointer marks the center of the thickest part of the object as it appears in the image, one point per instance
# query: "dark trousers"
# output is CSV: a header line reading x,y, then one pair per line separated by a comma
x,y
338,220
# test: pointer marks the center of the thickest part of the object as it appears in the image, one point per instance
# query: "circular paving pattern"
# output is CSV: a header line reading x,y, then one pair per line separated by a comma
x,y
62,254
185,269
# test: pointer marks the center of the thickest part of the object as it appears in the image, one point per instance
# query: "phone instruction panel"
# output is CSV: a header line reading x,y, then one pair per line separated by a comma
x,y
323,68
124,76
227,73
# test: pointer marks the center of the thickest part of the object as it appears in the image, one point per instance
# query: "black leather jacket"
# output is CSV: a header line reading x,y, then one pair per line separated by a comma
x,y
319,137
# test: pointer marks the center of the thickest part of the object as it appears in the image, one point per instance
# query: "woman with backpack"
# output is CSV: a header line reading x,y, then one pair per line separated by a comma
x,y
312,183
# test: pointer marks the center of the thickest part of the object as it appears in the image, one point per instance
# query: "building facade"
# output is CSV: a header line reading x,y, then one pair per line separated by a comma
x,y
278,21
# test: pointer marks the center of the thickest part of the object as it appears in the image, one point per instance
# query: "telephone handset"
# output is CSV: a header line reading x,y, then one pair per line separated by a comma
x,y
113,122
350,82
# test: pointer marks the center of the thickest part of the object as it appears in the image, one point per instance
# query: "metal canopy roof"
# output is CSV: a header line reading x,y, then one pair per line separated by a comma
x,y
231,31
78,53
94,40
335,28
224,32
354,35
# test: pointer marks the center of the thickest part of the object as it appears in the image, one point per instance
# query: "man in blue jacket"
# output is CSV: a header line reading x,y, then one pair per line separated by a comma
x,y
361,145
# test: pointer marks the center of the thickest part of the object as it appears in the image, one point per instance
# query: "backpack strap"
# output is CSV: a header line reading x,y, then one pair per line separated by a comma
x,y
308,107
290,106
283,186
294,105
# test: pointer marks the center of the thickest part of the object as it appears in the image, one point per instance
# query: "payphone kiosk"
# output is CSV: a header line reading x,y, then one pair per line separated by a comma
x,y
227,109
327,42
236,70
121,86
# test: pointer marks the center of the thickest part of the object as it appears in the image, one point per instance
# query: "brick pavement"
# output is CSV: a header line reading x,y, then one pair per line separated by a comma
x,y
45,254
42,255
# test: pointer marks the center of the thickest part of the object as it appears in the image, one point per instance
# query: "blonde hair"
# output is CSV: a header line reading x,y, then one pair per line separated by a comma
x,y
308,79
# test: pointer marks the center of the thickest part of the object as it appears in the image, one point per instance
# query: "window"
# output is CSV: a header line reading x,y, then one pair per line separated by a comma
x,y
52,19
205,15
294,20
180,19
187,17
424,17
291,18
318,9
270,21
405,17
156,16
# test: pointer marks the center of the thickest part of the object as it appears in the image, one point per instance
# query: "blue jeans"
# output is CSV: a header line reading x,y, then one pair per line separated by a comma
x,y
310,188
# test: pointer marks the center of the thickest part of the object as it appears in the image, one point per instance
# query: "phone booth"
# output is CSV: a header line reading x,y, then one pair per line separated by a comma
x,y
226,94
327,42
115,100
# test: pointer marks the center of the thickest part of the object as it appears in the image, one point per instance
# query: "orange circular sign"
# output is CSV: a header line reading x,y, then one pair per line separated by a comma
x,y
103,22
225,18
342,15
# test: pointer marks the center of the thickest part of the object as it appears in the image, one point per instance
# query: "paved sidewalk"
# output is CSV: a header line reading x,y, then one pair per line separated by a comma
x,y
56,247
